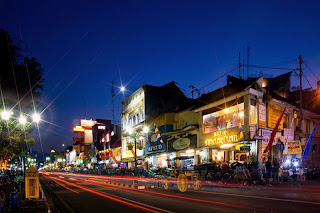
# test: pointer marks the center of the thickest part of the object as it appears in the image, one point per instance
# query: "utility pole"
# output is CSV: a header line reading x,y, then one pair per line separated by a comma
x,y
239,65
300,75
248,54
192,90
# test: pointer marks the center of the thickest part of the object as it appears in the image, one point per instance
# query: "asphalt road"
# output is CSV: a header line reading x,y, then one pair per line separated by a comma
x,y
88,194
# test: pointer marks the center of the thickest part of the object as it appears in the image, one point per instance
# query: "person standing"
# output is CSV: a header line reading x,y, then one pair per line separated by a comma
x,y
276,168
268,170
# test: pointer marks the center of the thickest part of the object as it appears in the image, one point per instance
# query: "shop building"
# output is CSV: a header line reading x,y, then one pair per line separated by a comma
x,y
140,110
106,143
83,140
229,109
254,105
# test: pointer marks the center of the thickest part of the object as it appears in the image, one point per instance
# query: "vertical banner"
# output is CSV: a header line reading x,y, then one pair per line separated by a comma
x,y
262,115
274,112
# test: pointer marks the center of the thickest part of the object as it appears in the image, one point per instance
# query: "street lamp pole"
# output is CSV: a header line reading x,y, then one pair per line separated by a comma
x,y
135,156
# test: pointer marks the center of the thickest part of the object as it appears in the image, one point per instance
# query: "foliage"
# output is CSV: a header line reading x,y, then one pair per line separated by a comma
x,y
130,146
139,146
19,70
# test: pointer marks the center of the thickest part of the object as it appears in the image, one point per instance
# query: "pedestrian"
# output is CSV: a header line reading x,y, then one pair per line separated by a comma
x,y
268,170
275,171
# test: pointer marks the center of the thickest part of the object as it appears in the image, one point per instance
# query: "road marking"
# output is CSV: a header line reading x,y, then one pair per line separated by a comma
x,y
264,198
136,202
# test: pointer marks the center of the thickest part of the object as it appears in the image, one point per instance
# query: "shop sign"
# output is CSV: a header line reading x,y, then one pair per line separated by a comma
x,y
87,123
179,144
262,116
244,148
288,135
153,146
102,127
274,112
221,137
266,136
78,129
294,147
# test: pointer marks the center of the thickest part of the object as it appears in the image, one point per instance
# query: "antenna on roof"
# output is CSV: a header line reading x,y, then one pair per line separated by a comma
x,y
248,54
193,89
239,65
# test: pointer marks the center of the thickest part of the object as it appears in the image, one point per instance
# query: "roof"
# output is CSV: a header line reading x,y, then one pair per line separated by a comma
x,y
233,86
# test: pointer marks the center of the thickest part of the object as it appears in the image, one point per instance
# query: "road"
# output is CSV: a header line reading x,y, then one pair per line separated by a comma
x,y
90,193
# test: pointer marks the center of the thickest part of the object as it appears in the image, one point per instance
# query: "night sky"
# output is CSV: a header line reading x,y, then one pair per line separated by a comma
x,y
92,44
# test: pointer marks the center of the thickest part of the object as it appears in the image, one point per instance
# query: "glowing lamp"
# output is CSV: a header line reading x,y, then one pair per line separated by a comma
x,y
36,117
22,120
5,115
146,129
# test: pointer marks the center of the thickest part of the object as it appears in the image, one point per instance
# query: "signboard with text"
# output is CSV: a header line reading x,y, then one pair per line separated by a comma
x,y
293,147
183,143
262,115
153,146
274,112
221,137
265,133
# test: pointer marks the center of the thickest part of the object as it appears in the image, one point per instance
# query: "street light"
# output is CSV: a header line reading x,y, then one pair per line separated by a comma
x,y
22,120
5,115
145,129
36,117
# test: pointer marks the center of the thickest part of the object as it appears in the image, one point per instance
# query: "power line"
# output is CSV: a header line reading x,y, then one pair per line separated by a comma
x,y
219,78
263,67
310,70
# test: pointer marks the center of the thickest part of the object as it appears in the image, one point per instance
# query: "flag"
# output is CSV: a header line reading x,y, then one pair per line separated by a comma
x,y
156,130
305,154
240,131
274,131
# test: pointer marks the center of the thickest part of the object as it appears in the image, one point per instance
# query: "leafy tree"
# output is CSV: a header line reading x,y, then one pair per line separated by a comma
x,y
21,78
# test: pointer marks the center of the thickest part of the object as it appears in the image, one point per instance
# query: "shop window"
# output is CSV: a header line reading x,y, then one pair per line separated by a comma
x,y
224,119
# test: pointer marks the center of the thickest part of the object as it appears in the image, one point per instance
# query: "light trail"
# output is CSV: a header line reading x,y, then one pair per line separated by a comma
x,y
126,190
64,186
107,196
169,195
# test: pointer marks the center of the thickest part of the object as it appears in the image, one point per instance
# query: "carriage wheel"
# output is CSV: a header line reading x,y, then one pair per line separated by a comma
x,y
166,184
196,184
182,183
198,175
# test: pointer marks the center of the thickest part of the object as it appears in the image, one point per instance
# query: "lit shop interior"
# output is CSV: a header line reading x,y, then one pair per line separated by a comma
x,y
221,136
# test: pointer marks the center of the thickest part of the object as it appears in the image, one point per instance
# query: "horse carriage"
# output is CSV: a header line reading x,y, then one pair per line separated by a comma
x,y
183,177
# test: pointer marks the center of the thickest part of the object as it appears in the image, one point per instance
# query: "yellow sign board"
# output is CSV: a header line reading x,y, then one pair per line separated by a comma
x,y
274,112
221,137
294,147
31,183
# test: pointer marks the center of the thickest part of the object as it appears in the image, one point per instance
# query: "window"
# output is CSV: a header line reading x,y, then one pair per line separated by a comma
x,y
223,119
309,126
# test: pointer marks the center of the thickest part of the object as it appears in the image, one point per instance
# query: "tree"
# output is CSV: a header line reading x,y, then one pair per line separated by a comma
x,y
21,78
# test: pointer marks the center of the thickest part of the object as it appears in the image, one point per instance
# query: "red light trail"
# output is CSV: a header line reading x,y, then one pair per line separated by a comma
x,y
106,196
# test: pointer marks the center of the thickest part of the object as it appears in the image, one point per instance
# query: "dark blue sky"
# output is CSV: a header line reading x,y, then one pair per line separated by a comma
x,y
153,42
